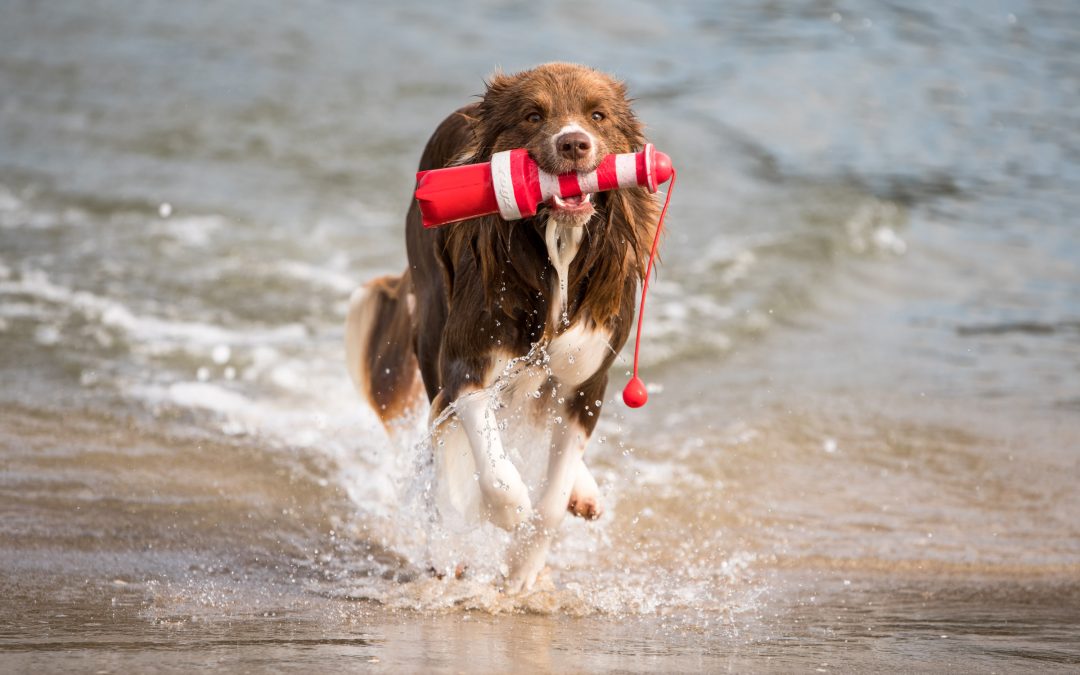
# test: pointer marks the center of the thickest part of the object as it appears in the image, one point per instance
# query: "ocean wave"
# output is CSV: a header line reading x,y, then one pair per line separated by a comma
x,y
151,331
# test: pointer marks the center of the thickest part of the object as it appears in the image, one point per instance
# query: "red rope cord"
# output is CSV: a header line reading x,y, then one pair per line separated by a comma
x,y
648,271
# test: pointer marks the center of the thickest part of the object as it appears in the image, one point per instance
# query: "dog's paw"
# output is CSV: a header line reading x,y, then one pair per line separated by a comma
x,y
585,495
587,507
526,563
525,581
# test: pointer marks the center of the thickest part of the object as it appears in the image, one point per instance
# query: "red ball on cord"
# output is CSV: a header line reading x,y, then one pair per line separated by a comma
x,y
634,393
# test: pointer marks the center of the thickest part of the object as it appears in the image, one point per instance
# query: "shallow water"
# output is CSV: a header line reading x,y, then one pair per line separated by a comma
x,y
863,441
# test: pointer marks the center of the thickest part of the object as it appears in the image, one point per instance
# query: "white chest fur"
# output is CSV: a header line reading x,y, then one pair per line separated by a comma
x,y
577,353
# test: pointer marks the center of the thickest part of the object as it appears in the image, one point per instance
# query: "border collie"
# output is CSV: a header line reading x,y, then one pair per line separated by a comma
x,y
521,318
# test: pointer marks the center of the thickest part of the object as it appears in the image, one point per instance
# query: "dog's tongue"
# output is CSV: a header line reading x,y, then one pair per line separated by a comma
x,y
635,394
574,201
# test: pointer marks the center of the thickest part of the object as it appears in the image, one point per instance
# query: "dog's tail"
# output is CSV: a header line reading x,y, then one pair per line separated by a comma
x,y
379,349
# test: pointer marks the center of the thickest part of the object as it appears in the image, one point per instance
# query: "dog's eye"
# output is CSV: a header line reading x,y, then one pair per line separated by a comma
x,y
533,117
599,116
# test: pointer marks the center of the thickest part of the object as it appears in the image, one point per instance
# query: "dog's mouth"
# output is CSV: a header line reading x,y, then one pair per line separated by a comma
x,y
576,208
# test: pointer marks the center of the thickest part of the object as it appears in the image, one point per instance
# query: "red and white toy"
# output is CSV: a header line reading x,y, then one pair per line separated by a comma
x,y
513,186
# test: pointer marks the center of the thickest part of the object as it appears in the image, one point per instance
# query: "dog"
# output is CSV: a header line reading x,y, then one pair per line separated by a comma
x,y
523,316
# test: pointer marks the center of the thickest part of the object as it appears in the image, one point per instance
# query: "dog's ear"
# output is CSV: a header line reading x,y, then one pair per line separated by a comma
x,y
495,113
498,83
473,123
620,89
500,86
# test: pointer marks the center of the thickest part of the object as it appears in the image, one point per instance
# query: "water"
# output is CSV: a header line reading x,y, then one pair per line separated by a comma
x,y
861,449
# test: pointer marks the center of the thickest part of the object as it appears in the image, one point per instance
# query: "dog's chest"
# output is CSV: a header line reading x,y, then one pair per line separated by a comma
x,y
580,349
571,358
578,353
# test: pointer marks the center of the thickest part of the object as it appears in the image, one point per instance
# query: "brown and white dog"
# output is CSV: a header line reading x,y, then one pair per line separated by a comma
x,y
480,294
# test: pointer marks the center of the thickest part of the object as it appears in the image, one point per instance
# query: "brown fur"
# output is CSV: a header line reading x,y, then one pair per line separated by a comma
x,y
486,283
386,370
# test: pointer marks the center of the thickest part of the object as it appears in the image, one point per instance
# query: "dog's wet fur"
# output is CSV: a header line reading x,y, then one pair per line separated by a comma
x,y
481,292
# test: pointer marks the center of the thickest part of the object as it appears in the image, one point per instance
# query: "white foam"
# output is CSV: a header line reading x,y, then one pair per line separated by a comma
x,y
318,275
8,201
212,397
193,231
149,330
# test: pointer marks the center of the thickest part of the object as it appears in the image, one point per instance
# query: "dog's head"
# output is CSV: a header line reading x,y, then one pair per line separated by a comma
x,y
567,116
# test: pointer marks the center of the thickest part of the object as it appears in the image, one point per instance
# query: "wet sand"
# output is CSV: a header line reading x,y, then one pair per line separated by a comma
x,y
110,575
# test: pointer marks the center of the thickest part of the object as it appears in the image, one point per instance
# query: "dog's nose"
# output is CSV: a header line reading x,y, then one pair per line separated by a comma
x,y
574,145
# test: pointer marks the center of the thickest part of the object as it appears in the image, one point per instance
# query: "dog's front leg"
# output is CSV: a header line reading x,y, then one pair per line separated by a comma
x,y
530,549
505,498
585,497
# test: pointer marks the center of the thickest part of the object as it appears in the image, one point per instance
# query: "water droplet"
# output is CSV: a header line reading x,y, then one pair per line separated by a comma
x,y
221,354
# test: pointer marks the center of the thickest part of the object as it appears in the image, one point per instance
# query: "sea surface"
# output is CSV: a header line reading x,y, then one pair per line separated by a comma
x,y
862,446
